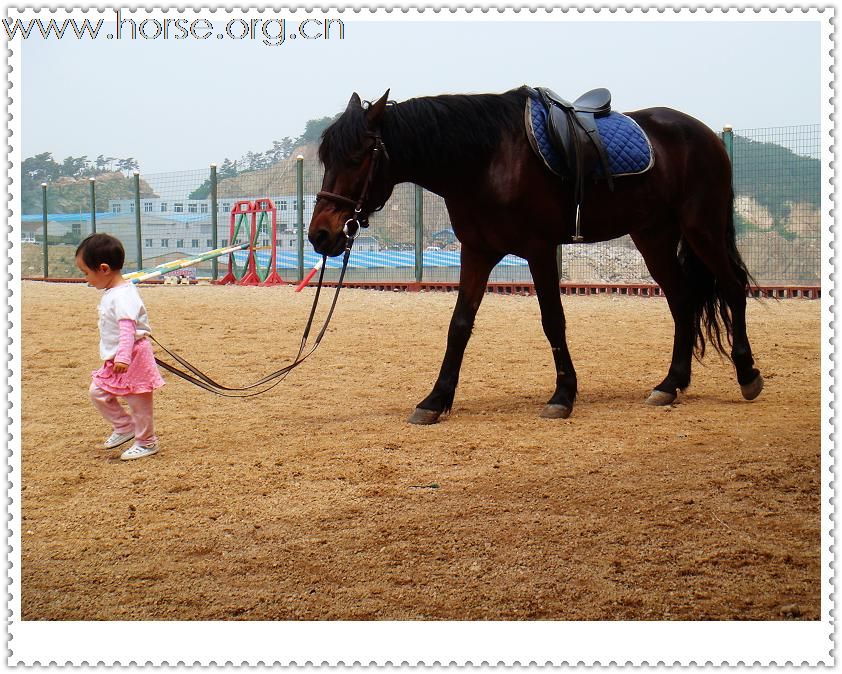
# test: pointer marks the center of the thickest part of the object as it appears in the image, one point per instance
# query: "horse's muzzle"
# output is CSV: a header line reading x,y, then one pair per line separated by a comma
x,y
328,243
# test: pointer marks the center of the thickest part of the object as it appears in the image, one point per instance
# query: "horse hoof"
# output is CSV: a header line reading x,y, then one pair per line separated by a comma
x,y
660,399
555,411
424,417
752,390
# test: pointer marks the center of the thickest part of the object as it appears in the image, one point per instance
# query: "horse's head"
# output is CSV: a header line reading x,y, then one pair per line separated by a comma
x,y
356,179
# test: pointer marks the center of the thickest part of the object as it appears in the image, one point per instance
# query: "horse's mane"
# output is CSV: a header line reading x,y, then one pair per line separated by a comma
x,y
420,131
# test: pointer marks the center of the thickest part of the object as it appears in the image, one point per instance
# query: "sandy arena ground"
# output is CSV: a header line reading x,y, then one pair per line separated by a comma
x,y
318,501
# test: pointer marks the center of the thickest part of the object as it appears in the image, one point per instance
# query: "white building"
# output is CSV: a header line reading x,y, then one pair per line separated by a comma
x,y
184,225
175,228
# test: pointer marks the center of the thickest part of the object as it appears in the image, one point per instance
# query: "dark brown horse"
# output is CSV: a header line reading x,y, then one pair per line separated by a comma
x,y
473,151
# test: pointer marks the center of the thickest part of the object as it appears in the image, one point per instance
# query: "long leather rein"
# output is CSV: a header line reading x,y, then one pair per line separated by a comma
x,y
200,379
360,219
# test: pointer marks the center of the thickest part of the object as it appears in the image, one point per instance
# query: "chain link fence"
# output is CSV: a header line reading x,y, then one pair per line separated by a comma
x,y
169,216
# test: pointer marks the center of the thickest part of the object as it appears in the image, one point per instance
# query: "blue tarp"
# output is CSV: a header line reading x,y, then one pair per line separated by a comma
x,y
369,260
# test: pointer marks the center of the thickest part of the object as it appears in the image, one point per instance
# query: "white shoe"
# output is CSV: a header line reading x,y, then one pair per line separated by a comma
x,y
116,439
139,451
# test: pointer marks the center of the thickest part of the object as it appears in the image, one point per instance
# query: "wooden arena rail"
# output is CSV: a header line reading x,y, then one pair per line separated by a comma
x,y
622,289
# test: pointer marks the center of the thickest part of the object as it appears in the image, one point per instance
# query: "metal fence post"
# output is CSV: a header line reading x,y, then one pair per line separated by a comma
x,y
299,190
93,205
44,220
728,140
419,233
214,220
138,231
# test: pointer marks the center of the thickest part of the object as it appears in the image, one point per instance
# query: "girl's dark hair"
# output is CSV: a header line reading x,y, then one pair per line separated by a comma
x,y
97,249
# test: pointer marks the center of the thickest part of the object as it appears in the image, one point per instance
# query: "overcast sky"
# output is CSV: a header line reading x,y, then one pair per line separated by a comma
x,y
182,104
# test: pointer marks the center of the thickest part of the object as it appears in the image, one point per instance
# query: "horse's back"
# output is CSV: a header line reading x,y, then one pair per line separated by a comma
x,y
684,145
669,125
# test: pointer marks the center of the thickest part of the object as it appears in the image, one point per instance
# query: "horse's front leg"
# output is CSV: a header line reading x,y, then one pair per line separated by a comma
x,y
545,277
473,279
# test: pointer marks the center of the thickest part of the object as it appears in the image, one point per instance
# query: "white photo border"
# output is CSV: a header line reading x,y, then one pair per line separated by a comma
x,y
428,643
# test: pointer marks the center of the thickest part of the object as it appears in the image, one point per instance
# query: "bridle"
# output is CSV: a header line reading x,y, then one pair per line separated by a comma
x,y
195,376
361,212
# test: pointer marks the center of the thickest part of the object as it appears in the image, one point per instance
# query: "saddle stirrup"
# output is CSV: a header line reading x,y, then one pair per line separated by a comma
x,y
577,237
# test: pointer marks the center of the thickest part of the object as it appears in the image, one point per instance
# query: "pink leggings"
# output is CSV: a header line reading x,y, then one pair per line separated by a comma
x,y
138,422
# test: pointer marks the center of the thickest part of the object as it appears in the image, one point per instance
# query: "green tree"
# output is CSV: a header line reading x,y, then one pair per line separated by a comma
x,y
314,129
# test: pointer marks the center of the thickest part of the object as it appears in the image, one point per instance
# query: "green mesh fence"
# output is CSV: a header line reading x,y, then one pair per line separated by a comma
x,y
777,187
777,181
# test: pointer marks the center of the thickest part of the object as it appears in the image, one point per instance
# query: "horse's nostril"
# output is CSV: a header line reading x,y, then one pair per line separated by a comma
x,y
318,238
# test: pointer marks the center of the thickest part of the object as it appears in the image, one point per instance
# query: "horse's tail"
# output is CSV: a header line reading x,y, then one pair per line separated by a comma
x,y
711,314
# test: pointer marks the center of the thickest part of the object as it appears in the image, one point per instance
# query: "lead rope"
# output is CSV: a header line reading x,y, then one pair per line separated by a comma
x,y
204,381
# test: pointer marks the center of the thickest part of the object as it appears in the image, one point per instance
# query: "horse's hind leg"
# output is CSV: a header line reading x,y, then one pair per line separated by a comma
x,y
721,258
473,279
659,252
544,271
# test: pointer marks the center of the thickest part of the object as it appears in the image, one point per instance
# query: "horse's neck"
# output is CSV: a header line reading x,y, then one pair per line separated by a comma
x,y
405,166
414,157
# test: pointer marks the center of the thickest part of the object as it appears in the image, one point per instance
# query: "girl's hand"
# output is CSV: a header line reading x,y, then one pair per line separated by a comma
x,y
120,367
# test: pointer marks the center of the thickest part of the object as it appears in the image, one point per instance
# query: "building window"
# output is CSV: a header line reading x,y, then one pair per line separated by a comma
x,y
192,208
179,243
210,242
163,207
178,208
195,243
224,242
115,208
131,207
282,206
203,208
165,243
226,208
147,243
147,206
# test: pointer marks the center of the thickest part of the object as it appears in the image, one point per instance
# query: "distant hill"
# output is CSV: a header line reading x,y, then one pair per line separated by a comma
x,y
394,224
776,191
775,188
73,195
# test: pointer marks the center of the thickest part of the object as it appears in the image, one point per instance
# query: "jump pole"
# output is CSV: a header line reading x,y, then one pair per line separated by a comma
x,y
147,274
309,276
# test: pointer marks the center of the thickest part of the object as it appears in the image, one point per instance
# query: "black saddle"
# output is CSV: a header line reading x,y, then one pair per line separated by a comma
x,y
573,132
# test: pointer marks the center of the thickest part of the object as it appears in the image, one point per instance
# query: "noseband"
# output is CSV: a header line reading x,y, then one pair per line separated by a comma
x,y
360,217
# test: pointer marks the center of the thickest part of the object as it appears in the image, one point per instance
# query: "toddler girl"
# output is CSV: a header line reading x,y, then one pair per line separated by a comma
x,y
129,370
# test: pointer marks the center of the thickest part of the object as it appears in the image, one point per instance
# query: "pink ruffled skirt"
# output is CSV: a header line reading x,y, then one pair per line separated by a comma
x,y
141,377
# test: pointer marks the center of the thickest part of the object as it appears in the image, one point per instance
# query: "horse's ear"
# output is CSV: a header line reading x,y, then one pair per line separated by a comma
x,y
374,115
355,102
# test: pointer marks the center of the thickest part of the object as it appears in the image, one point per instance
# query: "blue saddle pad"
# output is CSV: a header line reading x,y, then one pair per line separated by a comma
x,y
629,150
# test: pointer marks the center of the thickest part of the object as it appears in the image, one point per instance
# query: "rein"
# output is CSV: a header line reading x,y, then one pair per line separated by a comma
x,y
200,379
360,219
